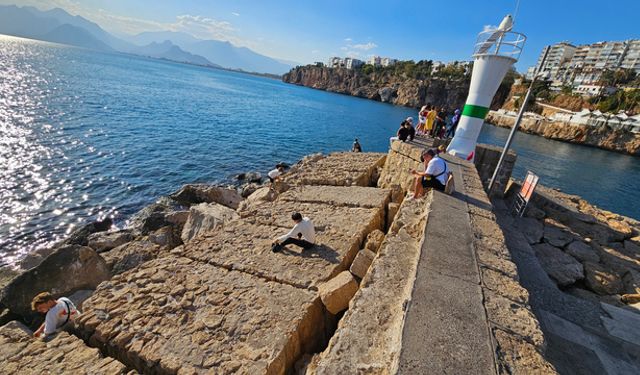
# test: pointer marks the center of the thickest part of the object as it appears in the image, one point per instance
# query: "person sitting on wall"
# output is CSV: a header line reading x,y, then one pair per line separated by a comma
x,y
434,175
302,234
403,132
356,146
60,313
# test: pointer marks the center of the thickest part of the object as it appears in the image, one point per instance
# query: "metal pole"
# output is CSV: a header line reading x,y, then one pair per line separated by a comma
x,y
515,126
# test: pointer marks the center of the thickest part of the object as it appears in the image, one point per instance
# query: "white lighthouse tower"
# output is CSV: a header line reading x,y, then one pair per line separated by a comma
x,y
495,52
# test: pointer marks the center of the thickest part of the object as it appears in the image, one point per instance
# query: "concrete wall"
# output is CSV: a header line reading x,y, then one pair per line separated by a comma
x,y
486,160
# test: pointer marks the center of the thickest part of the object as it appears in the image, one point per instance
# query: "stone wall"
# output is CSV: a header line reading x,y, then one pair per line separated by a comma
x,y
486,159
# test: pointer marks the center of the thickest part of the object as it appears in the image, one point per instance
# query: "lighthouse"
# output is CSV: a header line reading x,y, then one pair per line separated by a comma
x,y
495,52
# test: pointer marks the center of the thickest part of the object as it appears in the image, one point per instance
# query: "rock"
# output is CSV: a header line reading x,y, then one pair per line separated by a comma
x,y
337,292
80,236
103,241
631,280
563,268
387,94
582,252
556,236
150,218
632,247
199,193
130,255
249,189
374,240
630,298
392,210
68,269
517,356
312,158
361,263
204,217
264,194
253,177
621,227
177,218
531,228
601,280
534,212
166,237
79,297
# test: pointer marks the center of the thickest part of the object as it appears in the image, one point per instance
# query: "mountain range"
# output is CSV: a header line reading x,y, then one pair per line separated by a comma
x,y
58,26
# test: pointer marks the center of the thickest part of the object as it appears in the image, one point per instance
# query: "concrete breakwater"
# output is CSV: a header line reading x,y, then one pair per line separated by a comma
x,y
392,286
601,137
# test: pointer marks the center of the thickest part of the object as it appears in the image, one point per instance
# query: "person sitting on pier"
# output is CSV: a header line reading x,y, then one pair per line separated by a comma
x,y
403,132
356,146
59,312
434,175
302,234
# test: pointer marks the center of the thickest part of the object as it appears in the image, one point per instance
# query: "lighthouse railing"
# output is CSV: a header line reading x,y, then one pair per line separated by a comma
x,y
499,43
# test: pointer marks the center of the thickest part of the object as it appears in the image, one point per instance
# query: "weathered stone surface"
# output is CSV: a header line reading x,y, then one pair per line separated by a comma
x,y
582,252
513,316
167,237
68,269
63,354
173,313
631,280
338,196
337,169
103,241
557,236
368,339
632,247
601,280
504,285
81,236
517,356
177,218
249,189
402,158
361,263
374,240
264,194
563,268
205,217
337,292
199,193
392,211
531,228
130,255
150,218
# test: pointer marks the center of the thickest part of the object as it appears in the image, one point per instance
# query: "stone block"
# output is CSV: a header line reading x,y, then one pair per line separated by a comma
x,y
504,285
177,218
205,217
68,269
583,252
532,229
174,314
337,169
103,241
361,263
516,356
191,194
557,236
338,196
513,316
392,211
631,280
601,280
263,194
337,292
130,255
168,237
61,354
374,240
563,268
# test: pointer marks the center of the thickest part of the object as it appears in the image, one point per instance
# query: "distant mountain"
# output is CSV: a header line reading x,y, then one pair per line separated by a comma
x,y
56,25
170,51
218,52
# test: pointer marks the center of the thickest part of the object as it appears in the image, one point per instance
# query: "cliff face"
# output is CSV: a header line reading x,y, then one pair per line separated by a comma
x,y
387,88
601,137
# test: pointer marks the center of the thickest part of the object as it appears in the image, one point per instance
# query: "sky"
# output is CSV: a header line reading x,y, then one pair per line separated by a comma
x,y
307,31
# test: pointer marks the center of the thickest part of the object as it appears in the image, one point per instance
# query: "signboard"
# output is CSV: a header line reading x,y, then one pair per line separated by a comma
x,y
526,192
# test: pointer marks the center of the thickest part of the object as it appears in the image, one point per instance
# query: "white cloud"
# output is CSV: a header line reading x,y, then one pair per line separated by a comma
x,y
315,52
489,27
236,14
348,40
202,27
365,46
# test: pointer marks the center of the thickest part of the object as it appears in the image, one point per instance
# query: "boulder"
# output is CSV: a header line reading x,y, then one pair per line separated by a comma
x,y
631,280
531,228
387,94
205,217
632,248
563,268
199,193
534,212
264,194
253,177
374,240
583,252
81,236
166,237
68,269
177,218
249,189
361,263
130,255
601,280
150,218
80,296
556,236
621,227
337,292
103,241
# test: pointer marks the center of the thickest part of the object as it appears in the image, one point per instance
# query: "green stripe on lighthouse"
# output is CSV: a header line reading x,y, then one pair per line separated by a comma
x,y
476,111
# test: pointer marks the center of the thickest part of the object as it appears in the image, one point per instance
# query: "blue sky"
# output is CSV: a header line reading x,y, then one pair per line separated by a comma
x,y
307,31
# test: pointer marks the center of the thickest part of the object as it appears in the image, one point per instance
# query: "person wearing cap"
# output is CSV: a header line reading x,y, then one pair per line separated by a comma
x,y
59,312
434,175
404,131
356,146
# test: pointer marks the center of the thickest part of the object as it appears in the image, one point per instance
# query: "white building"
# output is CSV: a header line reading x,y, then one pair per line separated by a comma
x,y
335,62
351,63
555,64
594,90
375,61
388,61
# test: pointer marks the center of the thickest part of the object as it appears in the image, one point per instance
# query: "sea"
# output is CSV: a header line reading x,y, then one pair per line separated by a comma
x,y
85,135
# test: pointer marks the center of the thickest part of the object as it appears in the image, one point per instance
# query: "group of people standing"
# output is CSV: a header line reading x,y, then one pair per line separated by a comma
x,y
435,122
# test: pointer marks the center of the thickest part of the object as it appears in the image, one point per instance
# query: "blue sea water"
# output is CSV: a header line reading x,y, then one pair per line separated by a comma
x,y
84,135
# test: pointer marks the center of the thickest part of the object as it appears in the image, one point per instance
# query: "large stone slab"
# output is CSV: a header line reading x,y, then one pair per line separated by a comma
x,y
338,196
338,169
247,247
62,354
563,268
175,314
204,217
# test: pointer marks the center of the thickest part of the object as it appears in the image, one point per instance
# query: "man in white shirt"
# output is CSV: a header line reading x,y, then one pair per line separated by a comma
x,y
303,234
434,175
59,313
275,173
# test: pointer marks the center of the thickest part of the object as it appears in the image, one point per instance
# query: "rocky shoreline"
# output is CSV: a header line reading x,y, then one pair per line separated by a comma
x,y
600,137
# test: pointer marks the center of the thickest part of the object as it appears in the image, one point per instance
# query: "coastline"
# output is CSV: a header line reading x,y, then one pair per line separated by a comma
x,y
600,137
